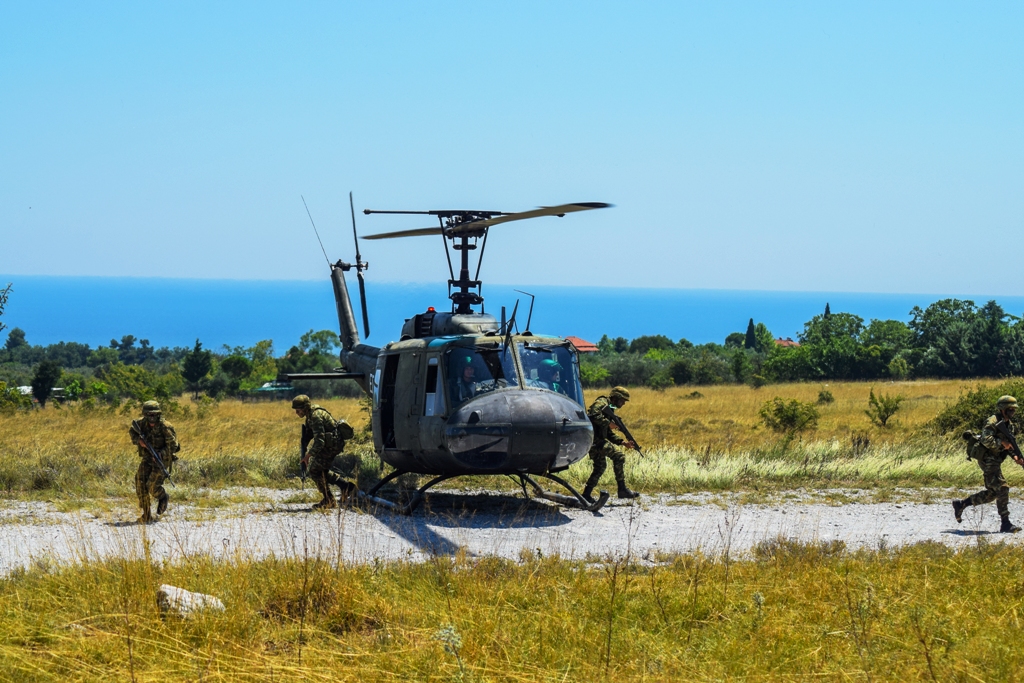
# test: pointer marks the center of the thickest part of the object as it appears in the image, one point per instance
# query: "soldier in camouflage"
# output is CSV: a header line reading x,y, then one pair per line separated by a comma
x,y
326,440
991,450
608,443
152,429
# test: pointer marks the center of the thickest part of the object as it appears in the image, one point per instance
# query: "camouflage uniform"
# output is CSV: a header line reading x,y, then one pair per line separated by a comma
x,y
326,440
990,453
607,445
991,461
149,480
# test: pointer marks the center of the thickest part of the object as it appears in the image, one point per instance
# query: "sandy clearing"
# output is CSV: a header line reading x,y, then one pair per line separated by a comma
x,y
490,524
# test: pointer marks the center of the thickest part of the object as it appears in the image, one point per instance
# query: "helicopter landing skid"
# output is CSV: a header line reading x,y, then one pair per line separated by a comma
x,y
414,500
576,500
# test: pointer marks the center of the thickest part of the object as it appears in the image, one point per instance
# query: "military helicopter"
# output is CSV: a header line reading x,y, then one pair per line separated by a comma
x,y
462,392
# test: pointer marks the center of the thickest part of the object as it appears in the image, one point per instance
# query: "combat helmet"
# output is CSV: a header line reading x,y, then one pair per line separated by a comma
x,y
301,401
151,408
620,392
1005,402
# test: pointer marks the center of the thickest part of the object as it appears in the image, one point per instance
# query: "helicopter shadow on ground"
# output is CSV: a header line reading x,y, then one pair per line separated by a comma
x,y
467,511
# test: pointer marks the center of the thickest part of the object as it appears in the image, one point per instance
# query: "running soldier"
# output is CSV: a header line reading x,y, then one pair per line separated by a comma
x,y
326,439
153,430
990,450
608,443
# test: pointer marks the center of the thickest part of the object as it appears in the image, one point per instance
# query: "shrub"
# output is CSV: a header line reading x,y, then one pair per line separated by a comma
x,y
825,397
788,417
899,368
593,375
881,408
681,371
970,410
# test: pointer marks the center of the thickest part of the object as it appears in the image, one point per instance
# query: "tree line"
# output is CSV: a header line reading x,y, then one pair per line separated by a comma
x,y
131,368
951,338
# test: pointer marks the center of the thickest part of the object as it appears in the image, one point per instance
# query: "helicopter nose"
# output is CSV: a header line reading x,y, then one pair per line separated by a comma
x,y
513,431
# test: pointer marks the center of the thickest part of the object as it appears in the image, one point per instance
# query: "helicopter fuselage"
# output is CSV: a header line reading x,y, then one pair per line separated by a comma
x,y
479,404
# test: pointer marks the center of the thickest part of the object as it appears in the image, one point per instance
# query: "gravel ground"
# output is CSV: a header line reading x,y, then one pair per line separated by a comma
x,y
481,524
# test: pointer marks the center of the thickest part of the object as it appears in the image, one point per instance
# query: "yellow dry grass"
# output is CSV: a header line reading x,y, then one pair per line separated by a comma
x,y
726,417
713,441
792,612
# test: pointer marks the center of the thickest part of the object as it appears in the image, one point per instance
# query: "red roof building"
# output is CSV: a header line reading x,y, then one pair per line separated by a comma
x,y
786,343
582,345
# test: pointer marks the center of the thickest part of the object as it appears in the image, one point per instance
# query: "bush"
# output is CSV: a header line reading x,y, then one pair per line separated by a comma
x,y
593,375
12,399
882,408
899,368
788,417
681,371
972,409
825,397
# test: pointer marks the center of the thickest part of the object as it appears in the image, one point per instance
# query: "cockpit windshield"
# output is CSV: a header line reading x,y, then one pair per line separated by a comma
x,y
477,370
551,366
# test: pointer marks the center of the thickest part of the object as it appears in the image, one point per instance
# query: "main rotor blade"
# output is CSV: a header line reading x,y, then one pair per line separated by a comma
x,y
362,303
473,226
559,211
355,237
405,233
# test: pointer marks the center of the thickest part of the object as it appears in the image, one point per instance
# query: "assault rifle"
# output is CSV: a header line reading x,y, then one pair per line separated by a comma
x,y
156,456
1003,429
307,436
609,412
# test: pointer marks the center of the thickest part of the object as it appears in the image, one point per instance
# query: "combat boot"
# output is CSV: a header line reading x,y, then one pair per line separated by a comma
x,y
588,493
325,504
1008,527
626,493
145,518
161,504
958,510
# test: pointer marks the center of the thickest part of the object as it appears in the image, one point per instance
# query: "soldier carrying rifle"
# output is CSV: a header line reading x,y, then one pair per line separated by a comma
x,y
157,445
608,442
325,438
997,440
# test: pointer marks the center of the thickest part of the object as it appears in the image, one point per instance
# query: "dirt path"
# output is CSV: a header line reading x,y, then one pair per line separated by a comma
x,y
482,524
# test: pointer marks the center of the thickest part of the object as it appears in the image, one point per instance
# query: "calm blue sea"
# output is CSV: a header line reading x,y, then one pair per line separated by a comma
x,y
175,312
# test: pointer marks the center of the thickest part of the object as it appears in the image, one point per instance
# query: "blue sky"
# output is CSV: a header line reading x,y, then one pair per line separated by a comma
x,y
871,147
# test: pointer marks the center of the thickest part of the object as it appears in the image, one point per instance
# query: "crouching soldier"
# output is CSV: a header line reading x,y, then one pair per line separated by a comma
x,y
153,432
326,439
990,450
608,443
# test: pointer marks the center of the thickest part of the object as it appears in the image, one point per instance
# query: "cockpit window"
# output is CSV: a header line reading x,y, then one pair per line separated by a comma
x,y
477,370
551,366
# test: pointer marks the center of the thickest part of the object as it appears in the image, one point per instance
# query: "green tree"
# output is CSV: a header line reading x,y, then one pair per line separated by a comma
x,y
735,340
788,417
750,340
15,339
832,344
195,367
645,343
764,340
5,293
46,376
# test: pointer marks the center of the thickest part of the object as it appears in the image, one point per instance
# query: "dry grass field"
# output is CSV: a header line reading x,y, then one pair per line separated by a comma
x,y
714,440
791,611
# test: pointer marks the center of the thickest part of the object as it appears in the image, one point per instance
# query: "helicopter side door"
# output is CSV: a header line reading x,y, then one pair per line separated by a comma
x,y
434,409
408,401
385,408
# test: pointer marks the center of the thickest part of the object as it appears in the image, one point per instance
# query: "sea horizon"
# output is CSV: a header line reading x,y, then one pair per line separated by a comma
x,y
234,312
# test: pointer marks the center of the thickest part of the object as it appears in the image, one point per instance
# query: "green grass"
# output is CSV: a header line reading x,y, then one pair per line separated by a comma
x,y
790,611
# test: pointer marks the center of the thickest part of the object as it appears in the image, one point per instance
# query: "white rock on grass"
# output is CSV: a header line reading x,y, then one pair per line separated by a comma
x,y
185,603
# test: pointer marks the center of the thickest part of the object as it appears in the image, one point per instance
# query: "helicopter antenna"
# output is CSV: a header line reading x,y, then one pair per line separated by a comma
x,y
508,328
360,266
529,316
316,231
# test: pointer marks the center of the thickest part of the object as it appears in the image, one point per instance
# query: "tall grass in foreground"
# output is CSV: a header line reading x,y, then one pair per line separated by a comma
x,y
714,441
923,612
